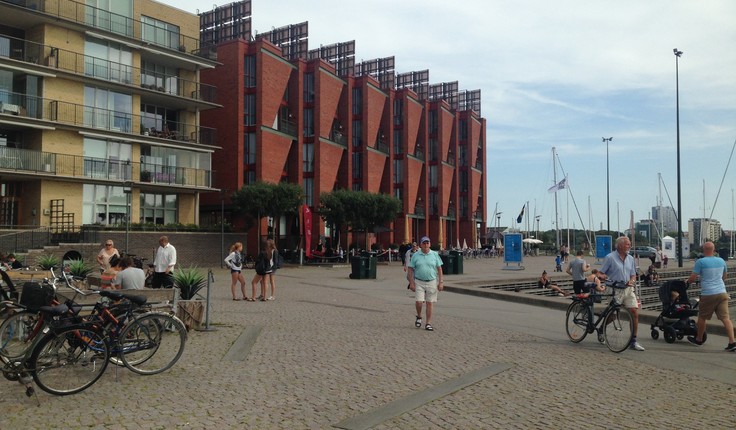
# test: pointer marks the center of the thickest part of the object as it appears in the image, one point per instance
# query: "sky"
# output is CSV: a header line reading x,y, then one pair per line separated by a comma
x,y
564,74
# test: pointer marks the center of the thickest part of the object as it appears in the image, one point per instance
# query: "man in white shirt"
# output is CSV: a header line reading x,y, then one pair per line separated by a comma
x,y
163,264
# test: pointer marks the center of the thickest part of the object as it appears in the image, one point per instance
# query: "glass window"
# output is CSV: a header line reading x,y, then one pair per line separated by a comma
x,y
108,110
357,165
308,157
357,133
159,32
398,111
397,172
308,122
250,71
308,87
158,208
103,204
433,150
433,176
357,101
113,15
309,191
107,160
249,110
432,118
107,60
250,149
159,77
398,147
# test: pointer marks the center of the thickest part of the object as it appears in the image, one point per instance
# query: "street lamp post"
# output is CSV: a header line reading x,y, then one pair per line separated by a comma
x,y
608,189
537,218
679,189
127,189
223,192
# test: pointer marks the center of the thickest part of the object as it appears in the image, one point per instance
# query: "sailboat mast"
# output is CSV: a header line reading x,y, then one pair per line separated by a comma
x,y
557,218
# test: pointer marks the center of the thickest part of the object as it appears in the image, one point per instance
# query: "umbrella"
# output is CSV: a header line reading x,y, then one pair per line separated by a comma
x,y
532,241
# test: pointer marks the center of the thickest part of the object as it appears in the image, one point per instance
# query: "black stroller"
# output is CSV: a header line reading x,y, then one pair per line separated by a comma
x,y
675,319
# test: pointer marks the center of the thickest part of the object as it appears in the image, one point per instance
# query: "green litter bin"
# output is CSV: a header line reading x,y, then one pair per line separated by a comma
x,y
458,266
448,264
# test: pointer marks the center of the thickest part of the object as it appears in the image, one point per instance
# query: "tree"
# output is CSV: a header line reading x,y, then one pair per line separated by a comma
x,y
266,199
358,210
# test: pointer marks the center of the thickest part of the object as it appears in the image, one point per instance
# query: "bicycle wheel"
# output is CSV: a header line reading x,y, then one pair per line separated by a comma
x,y
69,361
618,329
16,332
578,317
152,343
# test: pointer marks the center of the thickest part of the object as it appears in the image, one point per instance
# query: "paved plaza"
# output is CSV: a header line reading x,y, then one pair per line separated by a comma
x,y
332,352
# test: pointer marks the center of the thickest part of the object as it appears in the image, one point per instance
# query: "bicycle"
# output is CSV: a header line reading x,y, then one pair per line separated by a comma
x,y
614,325
125,333
249,263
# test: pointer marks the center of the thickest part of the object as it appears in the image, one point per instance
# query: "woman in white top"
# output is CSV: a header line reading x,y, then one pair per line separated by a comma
x,y
235,262
105,254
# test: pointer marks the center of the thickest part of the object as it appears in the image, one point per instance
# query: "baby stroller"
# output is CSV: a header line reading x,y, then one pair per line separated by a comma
x,y
675,319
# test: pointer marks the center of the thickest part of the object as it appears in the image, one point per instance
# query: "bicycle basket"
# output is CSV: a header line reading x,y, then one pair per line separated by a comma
x,y
34,295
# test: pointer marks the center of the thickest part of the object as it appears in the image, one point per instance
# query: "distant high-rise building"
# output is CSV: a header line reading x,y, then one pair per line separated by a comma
x,y
703,229
665,218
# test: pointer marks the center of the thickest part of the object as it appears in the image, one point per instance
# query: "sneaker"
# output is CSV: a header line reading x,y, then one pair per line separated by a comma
x,y
731,347
694,341
635,345
418,322
271,298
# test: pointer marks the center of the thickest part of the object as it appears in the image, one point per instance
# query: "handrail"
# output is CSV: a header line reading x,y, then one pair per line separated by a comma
x,y
121,171
101,19
89,66
92,117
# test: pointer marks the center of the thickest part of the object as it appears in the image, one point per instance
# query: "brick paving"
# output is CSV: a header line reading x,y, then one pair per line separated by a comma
x,y
326,352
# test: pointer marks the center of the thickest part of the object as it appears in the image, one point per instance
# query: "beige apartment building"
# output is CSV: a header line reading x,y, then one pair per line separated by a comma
x,y
99,113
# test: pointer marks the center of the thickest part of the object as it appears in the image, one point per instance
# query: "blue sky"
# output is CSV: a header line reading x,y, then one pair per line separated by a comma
x,y
564,74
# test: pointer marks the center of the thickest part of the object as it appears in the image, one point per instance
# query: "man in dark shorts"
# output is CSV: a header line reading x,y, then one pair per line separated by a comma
x,y
577,268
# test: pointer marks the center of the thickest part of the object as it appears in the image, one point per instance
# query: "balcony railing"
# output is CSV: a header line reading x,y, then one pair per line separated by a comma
x,y
80,64
419,152
105,119
119,24
381,145
75,166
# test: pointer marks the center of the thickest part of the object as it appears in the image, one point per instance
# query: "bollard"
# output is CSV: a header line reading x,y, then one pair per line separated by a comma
x,y
210,280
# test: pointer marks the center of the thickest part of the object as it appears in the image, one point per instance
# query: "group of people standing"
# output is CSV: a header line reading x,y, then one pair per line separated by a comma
x,y
119,271
267,262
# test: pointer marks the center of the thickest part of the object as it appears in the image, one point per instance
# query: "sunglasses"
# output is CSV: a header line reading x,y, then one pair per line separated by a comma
x,y
108,244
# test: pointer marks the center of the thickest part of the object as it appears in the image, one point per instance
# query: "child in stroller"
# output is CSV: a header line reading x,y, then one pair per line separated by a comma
x,y
674,320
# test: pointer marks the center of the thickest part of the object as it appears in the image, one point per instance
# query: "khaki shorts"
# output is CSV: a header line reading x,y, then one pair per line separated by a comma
x,y
717,303
626,297
425,291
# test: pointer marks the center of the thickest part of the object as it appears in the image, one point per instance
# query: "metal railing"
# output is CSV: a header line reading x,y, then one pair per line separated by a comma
x,y
86,65
75,166
339,137
81,13
286,126
105,119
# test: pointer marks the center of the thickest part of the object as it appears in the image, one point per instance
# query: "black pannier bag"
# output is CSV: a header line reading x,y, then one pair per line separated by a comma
x,y
34,295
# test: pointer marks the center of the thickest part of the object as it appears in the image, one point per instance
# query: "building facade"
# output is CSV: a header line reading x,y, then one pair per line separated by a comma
x,y
665,218
302,121
99,113
701,230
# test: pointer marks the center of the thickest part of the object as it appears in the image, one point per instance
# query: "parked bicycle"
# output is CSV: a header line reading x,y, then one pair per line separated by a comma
x,y
614,325
65,353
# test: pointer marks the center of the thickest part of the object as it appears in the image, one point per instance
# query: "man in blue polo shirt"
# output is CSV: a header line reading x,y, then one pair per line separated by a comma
x,y
712,271
425,279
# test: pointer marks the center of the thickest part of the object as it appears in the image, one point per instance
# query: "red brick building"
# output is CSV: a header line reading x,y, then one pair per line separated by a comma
x,y
300,121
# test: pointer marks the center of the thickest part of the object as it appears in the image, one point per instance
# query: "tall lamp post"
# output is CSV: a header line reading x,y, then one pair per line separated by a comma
x,y
679,189
223,192
608,189
128,190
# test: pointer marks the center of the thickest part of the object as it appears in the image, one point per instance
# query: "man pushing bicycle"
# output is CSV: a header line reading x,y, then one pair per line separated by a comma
x,y
620,266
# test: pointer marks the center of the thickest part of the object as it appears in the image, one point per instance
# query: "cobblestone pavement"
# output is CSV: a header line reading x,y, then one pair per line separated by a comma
x,y
326,352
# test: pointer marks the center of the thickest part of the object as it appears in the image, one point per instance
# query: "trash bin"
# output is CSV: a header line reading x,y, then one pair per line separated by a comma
x,y
448,264
357,265
371,266
458,266
723,253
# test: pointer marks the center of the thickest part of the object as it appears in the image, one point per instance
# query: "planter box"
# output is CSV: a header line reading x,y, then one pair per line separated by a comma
x,y
191,313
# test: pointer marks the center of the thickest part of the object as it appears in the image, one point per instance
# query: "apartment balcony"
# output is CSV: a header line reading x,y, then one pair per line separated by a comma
x,y
26,162
89,16
86,66
72,114
287,126
381,145
337,136
419,152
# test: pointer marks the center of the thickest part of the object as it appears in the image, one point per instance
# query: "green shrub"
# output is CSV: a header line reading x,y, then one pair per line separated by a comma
x,y
47,261
79,268
189,281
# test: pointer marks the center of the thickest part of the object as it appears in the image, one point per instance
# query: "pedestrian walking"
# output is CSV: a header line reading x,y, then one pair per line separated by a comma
x,y
712,272
425,279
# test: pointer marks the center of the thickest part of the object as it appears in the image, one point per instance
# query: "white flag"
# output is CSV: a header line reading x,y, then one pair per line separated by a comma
x,y
558,186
